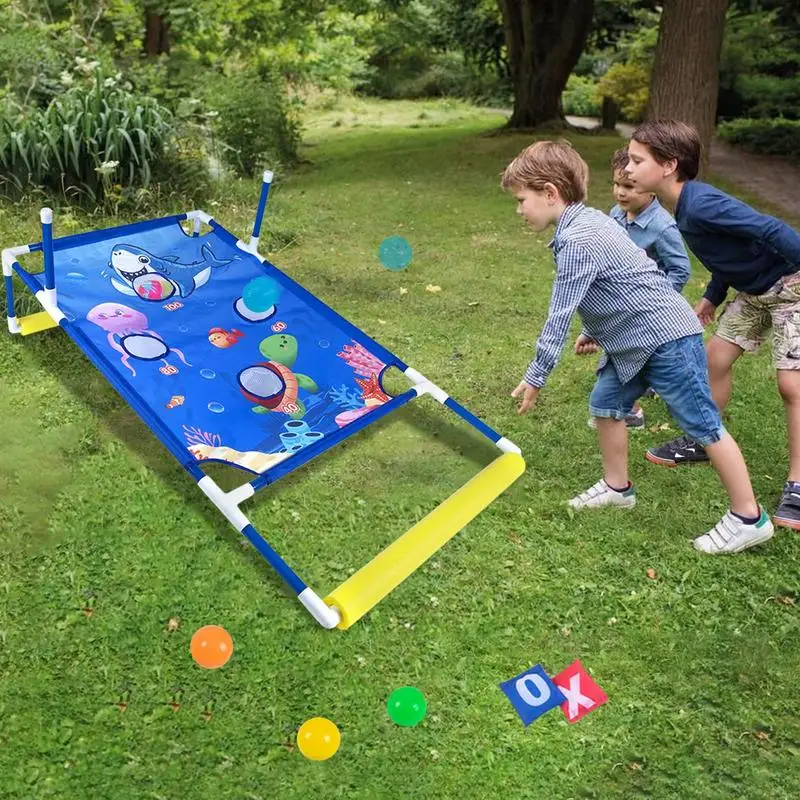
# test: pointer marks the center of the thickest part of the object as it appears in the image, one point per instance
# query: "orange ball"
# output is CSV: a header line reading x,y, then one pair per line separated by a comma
x,y
211,646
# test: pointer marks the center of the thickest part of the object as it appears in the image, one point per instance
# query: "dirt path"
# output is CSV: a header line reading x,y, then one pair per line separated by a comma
x,y
774,180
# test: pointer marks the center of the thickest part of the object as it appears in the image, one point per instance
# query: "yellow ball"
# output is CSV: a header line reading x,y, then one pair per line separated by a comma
x,y
318,739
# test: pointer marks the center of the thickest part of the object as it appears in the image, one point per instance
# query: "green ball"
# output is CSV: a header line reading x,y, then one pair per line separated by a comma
x,y
406,706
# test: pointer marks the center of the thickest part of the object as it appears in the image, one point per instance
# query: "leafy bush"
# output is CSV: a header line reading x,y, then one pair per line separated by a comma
x,y
254,122
445,75
767,96
580,97
85,141
628,86
759,67
30,63
779,137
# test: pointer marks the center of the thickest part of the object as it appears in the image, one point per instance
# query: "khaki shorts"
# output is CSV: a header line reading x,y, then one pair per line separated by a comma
x,y
748,318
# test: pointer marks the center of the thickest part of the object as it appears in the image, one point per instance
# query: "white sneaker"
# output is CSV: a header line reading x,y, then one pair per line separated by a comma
x,y
601,494
731,535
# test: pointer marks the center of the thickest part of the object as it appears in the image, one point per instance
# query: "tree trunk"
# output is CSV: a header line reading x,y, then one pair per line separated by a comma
x,y
544,39
609,114
156,39
685,77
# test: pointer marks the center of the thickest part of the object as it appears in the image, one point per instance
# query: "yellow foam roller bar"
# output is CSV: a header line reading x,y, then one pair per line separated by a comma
x,y
367,587
33,323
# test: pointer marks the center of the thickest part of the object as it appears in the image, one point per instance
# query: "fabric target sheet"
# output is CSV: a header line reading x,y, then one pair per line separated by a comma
x,y
238,362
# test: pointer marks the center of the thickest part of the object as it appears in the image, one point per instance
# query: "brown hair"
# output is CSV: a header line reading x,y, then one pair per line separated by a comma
x,y
549,162
620,160
669,139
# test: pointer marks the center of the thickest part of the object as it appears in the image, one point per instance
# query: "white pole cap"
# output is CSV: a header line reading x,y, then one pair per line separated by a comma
x,y
46,216
268,176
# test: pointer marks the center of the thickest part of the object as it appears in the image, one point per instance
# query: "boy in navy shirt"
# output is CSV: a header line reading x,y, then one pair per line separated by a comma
x,y
755,254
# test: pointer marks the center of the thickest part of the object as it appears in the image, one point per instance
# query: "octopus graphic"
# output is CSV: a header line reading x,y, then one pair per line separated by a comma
x,y
128,333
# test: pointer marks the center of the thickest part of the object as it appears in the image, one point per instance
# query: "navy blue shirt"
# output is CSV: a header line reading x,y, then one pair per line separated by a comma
x,y
655,231
739,246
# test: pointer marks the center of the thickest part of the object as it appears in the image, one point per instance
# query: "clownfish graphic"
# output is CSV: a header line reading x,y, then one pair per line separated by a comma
x,y
221,338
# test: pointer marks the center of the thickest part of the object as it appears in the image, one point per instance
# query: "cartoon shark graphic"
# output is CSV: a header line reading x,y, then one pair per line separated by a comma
x,y
151,277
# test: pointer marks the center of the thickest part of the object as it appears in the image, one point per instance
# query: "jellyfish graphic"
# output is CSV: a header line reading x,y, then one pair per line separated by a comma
x,y
128,333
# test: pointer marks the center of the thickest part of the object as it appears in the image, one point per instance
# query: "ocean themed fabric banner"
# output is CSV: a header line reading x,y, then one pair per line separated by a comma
x,y
232,358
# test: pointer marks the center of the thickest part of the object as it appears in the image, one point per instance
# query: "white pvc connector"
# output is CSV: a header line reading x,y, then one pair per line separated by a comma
x,y
241,493
423,386
10,256
326,616
46,216
201,215
47,300
268,176
13,325
228,507
507,446
196,223
254,243
8,263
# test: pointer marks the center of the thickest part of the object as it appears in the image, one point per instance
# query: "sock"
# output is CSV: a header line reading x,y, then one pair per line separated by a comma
x,y
794,486
747,520
614,488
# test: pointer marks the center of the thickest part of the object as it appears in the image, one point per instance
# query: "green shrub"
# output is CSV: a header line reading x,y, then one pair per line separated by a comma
x,y
254,122
780,137
768,96
446,75
628,86
759,67
86,140
580,97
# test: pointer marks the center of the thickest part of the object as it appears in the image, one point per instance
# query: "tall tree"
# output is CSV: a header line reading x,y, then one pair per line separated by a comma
x,y
544,39
685,76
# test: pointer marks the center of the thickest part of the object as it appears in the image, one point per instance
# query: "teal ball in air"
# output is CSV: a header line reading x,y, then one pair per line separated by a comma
x,y
395,253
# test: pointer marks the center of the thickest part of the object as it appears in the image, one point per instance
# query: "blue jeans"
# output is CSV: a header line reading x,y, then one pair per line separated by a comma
x,y
678,371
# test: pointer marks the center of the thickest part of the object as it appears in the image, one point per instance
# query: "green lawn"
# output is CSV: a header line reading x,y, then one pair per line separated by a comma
x,y
700,662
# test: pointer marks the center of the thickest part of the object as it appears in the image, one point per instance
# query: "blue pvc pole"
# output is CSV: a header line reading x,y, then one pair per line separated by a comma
x,y
473,420
262,203
46,216
274,560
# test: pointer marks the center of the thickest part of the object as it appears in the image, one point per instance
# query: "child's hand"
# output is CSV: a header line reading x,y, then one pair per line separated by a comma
x,y
584,345
529,394
706,311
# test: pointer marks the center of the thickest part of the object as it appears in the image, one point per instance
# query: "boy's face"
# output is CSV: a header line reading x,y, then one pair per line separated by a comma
x,y
646,174
537,208
628,197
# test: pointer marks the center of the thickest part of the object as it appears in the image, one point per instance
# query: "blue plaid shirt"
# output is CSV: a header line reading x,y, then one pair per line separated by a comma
x,y
656,232
625,302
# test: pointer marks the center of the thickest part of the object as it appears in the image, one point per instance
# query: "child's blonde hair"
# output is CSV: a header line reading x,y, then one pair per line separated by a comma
x,y
557,163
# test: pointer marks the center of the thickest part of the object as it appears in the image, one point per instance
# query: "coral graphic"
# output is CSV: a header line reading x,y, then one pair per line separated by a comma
x,y
194,436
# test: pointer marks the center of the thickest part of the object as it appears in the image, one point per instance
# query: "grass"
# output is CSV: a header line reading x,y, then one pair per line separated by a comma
x,y
112,559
